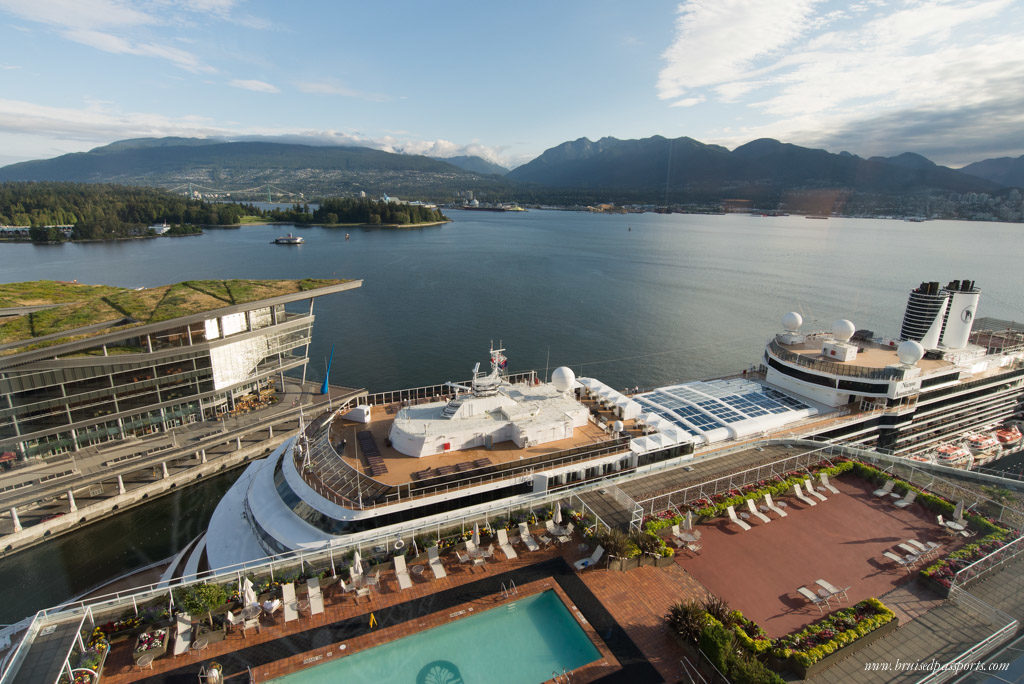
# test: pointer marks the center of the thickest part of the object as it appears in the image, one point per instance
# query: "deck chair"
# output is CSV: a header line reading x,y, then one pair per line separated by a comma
x,y
183,634
923,550
826,484
756,513
471,548
524,534
819,601
585,563
899,560
811,491
553,529
251,623
291,606
435,563
233,620
401,573
462,559
566,533
885,489
838,593
799,494
488,552
773,508
316,599
504,545
732,518
907,499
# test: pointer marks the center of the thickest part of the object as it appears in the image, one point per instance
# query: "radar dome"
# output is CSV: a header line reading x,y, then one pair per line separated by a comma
x,y
563,379
843,330
618,426
792,321
909,352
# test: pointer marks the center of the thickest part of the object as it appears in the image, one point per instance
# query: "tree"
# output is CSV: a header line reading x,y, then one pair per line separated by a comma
x,y
201,598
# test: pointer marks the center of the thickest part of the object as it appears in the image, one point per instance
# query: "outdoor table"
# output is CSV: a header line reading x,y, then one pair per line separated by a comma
x,y
955,526
687,537
895,495
145,660
417,569
250,612
744,515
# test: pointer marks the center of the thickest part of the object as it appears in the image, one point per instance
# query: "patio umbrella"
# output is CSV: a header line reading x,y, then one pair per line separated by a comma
x,y
415,548
357,564
689,519
558,513
249,593
476,534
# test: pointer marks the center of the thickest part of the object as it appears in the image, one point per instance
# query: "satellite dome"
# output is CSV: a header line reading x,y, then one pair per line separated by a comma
x,y
843,330
909,352
563,379
792,321
618,426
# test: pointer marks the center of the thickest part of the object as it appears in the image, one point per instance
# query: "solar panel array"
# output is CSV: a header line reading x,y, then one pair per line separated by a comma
x,y
706,406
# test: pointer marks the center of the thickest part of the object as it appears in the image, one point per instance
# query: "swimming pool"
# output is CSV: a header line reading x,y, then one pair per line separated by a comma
x,y
524,641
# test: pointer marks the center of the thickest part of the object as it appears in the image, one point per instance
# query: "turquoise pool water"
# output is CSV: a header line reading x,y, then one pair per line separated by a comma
x,y
520,642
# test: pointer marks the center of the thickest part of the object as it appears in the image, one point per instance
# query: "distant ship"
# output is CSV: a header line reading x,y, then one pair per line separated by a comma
x,y
288,239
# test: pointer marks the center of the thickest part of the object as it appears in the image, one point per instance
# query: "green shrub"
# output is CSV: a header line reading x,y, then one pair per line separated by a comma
x,y
687,619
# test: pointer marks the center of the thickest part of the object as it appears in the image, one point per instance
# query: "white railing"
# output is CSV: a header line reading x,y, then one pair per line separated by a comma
x,y
987,563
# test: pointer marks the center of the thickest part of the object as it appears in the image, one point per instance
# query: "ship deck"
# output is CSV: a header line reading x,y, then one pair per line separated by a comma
x,y
869,355
401,468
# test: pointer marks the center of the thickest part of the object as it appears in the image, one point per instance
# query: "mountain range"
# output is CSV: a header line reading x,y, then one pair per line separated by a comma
x,y
650,170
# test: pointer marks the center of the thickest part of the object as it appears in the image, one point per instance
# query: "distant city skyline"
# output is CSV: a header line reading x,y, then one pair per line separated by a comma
x,y
505,82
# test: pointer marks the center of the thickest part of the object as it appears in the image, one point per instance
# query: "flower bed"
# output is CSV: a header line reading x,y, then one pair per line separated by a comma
x,y
153,642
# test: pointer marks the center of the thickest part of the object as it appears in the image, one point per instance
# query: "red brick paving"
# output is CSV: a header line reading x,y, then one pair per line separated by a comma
x,y
840,540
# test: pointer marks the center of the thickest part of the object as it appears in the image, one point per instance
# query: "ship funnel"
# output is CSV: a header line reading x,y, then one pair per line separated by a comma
x,y
941,316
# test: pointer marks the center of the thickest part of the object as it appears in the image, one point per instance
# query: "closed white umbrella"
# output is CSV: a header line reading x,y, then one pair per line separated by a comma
x,y
558,513
357,564
415,548
689,519
248,592
476,534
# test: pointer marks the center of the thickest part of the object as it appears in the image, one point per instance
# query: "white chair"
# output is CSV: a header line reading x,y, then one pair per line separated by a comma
x,y
799,494
435,563
553,529
907,499
811,491
756,513
462,559
833,590
819,601
401,573
233,620
923,550
732,517
524,534
770,505
826,484
886,489
316,599
585,563
291,606
471,548
505,546
905,563
271,607
566,533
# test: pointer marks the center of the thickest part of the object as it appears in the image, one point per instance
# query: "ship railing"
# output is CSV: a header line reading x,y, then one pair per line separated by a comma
x,y
810,361
415,395
995,560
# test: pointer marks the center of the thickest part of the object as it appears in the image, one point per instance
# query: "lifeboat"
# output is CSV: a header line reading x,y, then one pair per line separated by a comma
x,y
984,446
1009,436
954,455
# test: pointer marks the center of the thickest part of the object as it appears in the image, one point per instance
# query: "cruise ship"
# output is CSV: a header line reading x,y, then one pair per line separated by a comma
x,y
403,461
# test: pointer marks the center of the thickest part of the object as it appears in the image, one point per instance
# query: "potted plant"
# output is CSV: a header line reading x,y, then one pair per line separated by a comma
x,y
201,598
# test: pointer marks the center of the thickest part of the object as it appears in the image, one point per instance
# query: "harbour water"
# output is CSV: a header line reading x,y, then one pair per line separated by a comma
x,y
631,299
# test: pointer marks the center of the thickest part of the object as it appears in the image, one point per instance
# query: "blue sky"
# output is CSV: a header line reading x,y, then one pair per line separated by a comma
x,y
509,80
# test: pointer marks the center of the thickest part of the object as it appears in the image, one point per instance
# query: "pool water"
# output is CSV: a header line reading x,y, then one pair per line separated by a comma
x,y
524,641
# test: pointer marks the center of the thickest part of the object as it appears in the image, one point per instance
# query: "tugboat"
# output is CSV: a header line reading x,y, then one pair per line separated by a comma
x,y
984,446
954,456
288,239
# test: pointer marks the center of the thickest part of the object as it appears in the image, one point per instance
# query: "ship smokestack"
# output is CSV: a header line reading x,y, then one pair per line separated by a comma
x,y
941,316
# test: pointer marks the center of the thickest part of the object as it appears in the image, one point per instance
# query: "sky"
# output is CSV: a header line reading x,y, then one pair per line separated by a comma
x,y
506,81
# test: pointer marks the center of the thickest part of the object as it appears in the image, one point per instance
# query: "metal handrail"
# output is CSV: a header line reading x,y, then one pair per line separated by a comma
x,y
832,367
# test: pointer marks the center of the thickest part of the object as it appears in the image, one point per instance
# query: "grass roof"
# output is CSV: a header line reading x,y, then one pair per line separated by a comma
x,y
79,306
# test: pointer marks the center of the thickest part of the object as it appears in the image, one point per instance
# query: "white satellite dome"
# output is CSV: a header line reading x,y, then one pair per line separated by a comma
x,y
618,426
563,379
792,321
843,330
909,352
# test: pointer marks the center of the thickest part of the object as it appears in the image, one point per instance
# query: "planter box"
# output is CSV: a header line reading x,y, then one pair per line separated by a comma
x,y
155,652
843,653
664,561
212,636
630,563
614,563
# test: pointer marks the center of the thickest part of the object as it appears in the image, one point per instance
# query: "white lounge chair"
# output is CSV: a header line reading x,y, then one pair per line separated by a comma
x,y
773,508
833,590
585,563
924,549
291,606
402,574
817,600
435,563
907,499
811,491
524,534
799,494
316,599
756,513
905,563
826,484
183,634
732,517
566,533
885,489
504,545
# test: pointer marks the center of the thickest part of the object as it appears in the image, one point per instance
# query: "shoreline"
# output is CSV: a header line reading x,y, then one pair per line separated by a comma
x,y
336,225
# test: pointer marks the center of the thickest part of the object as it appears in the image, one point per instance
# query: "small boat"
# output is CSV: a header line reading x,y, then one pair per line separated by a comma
x,y
347,236
1009,436
289,239
954,455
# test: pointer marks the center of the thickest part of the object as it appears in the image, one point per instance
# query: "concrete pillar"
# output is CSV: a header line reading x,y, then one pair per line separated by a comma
x,y
202,455
71,502
238,442
15,520
270,431
120,484
163,466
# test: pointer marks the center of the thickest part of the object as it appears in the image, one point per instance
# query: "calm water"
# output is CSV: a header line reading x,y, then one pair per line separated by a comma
x,y
676,298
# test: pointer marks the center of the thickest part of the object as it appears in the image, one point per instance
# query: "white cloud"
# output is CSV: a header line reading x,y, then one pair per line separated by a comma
x,y
254,85
334,88
689,101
